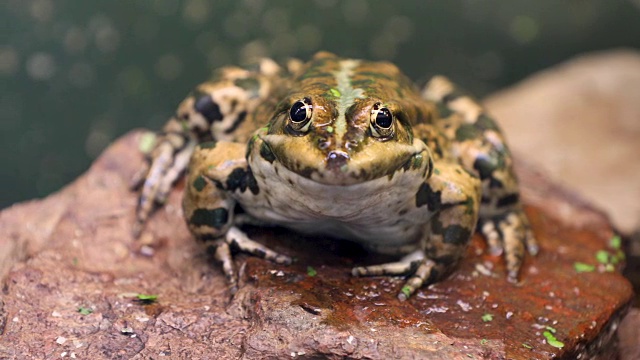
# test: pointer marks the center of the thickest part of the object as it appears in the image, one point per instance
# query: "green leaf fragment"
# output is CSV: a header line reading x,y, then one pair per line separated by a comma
x,y
406,290
602,256
615,242
487,317
146,143
553,330
145,297
551,340
85,311
311,271
582,267
483,341
527,346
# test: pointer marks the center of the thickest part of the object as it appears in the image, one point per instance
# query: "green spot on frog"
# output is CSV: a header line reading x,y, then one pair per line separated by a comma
x,y
216,218
467,132
329,129
485,122
207,145
249,84
199,183
335,92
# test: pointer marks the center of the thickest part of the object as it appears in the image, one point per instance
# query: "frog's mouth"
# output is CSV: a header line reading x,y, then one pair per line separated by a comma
x,y
340,166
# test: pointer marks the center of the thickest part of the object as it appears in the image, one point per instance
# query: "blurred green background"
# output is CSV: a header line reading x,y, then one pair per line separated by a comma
x,y
78,74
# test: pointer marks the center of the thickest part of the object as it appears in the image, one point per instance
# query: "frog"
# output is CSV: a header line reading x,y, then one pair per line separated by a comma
x,y
344,148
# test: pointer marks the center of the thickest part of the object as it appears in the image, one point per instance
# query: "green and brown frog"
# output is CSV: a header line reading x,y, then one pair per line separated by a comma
x,y
345,148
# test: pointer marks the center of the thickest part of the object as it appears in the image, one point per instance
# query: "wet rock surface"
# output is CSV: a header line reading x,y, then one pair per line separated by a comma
x,y
71,275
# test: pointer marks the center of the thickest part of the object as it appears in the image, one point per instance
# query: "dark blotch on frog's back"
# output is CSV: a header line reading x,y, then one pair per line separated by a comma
x,y
207,145
199,183
210,217
208,108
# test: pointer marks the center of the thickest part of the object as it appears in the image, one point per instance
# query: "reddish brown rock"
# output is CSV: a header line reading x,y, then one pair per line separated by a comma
x,y
71,271
78,254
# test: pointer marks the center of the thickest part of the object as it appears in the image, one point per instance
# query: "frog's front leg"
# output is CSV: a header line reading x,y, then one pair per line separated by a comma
x,y
216,110
451,196
217,170
480,146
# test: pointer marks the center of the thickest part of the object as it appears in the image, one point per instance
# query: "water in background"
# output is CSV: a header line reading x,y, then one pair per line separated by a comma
x,y
75,75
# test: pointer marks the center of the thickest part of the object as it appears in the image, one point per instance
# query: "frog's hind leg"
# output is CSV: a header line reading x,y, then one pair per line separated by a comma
x,y
479,144
215,110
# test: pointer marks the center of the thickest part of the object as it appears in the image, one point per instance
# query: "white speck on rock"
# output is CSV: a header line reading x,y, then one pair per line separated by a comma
x,y
465,306
61,340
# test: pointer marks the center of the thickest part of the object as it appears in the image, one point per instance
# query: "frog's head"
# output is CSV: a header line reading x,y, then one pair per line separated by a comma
x,y
347,122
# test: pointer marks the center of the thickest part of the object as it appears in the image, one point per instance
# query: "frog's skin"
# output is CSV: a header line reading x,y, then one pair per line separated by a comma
x,y
345,148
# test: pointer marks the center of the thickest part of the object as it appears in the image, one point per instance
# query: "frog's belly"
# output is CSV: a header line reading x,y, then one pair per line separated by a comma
x,y
380,214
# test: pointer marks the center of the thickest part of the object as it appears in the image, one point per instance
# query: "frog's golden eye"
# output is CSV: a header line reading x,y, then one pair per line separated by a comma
x,y
300,114
381,122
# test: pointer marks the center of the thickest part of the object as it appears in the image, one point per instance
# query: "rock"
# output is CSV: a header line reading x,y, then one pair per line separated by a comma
x,y
72,273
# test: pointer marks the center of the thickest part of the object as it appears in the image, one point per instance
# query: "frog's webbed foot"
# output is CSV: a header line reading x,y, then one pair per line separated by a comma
x,y
237,240
166,163
509,234
416,265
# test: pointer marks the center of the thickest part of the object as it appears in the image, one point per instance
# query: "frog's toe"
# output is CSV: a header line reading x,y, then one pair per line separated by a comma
x,y
510,234
240,241
139,177
416,264
223,255
417,280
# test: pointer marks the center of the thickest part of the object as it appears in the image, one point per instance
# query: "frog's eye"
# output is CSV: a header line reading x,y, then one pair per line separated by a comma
x,y
381,122
300,114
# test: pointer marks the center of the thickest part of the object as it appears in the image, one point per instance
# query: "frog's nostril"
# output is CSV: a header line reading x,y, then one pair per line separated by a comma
x,y
323,144
337,159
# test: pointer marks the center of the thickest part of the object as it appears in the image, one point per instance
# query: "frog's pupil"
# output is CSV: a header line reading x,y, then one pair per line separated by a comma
x,y
298,112
383,118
